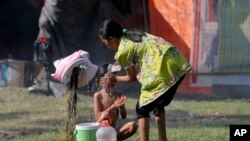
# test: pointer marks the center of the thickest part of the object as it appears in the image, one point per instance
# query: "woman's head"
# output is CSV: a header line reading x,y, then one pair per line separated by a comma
x,y
110,33
110,28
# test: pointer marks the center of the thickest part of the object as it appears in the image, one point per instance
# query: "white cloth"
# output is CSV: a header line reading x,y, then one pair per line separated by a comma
x,y
64,68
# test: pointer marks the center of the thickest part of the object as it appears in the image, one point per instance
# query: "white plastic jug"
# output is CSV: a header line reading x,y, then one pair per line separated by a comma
x,y
105,132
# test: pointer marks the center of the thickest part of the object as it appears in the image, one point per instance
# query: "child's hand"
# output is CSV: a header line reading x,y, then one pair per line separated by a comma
x,y
105,117
102,116
120,101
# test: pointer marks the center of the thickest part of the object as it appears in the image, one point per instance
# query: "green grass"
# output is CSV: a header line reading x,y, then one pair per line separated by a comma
x,y
26,117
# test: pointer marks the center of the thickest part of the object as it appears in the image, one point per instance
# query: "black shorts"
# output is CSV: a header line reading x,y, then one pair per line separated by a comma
x,y
158,105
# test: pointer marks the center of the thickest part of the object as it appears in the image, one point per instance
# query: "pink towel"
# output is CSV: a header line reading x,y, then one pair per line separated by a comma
x,y
64,67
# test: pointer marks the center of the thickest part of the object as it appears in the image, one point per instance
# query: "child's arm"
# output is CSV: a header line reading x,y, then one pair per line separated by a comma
x,y
118,103
123,111
97,105
122,108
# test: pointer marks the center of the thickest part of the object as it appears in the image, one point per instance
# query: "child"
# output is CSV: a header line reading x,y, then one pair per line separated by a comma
x,y
108,103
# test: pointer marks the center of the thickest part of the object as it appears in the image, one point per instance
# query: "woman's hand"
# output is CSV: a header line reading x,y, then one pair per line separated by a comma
x,y
108,79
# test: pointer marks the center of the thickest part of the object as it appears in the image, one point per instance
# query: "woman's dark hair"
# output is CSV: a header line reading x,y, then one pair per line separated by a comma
x,y
110,28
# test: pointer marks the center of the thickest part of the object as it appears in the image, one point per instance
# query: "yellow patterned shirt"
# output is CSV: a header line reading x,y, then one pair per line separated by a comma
x,y
158,64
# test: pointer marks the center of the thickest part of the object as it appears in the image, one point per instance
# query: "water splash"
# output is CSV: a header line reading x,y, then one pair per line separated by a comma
x,y
84,68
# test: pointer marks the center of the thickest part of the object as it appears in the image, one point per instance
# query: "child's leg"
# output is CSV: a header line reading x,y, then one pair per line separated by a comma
x,y
126,131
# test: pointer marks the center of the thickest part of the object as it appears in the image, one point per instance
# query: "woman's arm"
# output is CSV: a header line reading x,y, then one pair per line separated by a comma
x,y
112,78
131,76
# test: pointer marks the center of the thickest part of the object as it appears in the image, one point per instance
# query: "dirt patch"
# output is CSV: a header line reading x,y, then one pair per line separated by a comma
x,y
9,135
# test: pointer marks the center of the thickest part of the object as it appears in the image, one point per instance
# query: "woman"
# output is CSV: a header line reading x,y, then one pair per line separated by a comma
x,y
156,64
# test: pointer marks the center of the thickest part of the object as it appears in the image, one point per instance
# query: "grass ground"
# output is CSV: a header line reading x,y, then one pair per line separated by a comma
x,y
26,117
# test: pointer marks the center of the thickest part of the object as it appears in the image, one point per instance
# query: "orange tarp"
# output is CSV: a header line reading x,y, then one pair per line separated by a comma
x,y
174,21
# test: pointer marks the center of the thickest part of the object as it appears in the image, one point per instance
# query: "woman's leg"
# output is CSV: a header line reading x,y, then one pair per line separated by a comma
x,y
161,124
144,128
126,131
143,120
159,111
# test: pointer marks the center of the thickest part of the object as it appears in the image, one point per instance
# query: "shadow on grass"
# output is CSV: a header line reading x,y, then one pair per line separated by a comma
x,y
49,122
12,134
12,115
203,97
184,119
